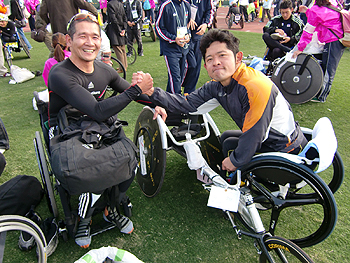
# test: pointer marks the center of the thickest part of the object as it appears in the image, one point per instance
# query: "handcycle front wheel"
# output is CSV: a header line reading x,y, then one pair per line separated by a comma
x,y
283,250
308,200
24,46
8,57
151,156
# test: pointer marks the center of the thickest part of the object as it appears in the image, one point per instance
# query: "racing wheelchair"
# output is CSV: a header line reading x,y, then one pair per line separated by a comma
x,y
280,185
17,46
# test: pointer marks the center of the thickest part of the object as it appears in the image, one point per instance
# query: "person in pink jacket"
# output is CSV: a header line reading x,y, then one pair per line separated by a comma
x,y
30,6
322,20
60,54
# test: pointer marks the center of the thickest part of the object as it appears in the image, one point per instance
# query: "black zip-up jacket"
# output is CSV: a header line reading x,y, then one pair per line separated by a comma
x,y
136,5
296,30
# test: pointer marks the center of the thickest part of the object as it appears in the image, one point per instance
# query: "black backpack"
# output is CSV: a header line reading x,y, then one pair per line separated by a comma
x,y
4,139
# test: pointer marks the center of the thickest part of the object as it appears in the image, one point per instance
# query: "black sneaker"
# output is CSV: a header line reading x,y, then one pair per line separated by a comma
x,y
122,222
26,241
50,230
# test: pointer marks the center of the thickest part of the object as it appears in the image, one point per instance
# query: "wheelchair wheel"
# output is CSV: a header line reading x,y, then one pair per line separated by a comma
x,y
282,250
24,46
299,82
241,22
131,54
152,32
45,173
119,67
152,157
228,21
308,200
8,56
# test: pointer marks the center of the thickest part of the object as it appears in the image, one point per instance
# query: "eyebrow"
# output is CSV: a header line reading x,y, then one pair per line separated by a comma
x,y
219,52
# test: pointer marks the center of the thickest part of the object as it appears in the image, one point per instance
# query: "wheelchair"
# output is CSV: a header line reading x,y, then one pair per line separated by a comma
x,y
298,81
236,19
282,185
17,46
53,189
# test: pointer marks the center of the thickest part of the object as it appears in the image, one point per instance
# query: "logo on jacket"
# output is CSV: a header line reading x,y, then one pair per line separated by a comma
x,y
91,85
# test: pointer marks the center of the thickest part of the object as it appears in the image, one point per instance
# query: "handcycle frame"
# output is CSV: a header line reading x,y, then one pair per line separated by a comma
x,y
236,19
9,47
152,177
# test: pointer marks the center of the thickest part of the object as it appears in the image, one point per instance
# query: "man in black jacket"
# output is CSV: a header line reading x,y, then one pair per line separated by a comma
x,y
282,32
133,10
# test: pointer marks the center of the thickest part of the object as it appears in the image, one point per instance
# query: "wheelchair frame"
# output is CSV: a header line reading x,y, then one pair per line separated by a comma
x,y
153,139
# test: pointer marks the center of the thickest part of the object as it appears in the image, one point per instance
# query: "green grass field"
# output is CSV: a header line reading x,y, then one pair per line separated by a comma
x,y
176,225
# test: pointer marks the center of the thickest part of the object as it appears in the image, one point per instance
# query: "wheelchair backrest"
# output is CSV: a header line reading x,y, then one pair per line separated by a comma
x,y
324,142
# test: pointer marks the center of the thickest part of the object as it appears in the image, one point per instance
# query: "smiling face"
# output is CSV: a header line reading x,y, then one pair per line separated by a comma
x,y
221,63
85,44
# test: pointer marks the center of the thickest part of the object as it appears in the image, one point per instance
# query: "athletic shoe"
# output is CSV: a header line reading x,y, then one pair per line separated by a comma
x,y
50,230
27,241
82,236
127,206
141,54
128,55
7,74
122,222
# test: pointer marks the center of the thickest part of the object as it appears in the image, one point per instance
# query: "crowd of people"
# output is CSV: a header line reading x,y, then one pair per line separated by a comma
x,y
187,36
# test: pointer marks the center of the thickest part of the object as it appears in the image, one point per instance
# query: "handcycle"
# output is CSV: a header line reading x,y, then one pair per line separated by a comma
x,y
281,185
17,46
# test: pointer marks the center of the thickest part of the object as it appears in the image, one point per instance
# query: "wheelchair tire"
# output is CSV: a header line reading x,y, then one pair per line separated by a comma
x,y
241,22
283,250
133,56
8,57
228,21
119,67
299,82
45,173
265,174
152,32
152,157
24,46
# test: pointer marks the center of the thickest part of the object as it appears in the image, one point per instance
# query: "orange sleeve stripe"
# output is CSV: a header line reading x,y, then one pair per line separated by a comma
x,y
258,88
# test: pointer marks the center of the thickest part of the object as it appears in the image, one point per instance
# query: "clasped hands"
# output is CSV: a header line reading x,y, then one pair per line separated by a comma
x,y
145,83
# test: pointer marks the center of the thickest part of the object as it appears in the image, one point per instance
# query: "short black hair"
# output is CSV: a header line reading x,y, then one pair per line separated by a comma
x,y
223,36
72,26
285,4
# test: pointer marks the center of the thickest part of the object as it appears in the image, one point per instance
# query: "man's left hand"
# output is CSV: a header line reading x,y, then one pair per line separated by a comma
x,y
227,165
201,29
160,111
285,40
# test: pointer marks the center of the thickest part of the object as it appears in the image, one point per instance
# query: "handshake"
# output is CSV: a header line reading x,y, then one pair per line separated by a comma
x,y
144,81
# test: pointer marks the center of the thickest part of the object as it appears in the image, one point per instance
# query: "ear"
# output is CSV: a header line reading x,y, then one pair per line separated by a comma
x,y
68,40
239,57
205,66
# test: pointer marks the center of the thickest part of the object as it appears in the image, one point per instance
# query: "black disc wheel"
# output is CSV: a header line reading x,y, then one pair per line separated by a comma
x,y
46,174
283,250
151,156
8,56
294,201
299,82
119,67
24,46
131,54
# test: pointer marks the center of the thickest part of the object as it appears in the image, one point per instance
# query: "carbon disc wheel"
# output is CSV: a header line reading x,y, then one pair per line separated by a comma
x,y
151,156
299,82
